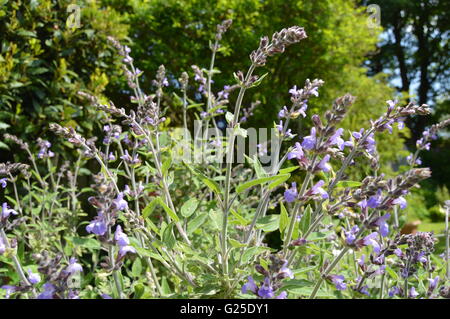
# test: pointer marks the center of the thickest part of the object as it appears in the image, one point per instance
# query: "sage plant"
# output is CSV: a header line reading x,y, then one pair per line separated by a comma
x,y
129,219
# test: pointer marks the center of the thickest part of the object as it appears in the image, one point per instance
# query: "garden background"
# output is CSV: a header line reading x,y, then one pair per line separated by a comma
x,y
45,59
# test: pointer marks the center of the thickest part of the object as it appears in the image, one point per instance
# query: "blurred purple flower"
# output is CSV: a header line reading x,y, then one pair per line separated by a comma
x,y
74,266
120,203
249,286
317,189
33,278
338,281
324,165
291,194
309,142
266,290
297,152
6,211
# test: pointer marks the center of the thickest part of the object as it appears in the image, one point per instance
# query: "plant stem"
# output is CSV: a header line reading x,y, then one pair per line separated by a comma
x,y
17,265
230,153
327,271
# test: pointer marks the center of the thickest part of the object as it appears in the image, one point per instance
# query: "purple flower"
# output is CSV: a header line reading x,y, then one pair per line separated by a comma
x,y
120,203
317,189
309,142
363,204
106,296
74,266
120,237
111,157
297,152
358,135
48,292
3,182
410,157
401,123
413,293
126,249
375,200
369,144
398,252
336,139
289,134
6,211
282,295
291,194
394,291
381,222
286,272
323,164
97,226
433,283
400,201
204,114
369,240
9,290
361,260
391,104
364,290
294,92
338,281
249,286
421,257
266,290
283,112
33,278
350,236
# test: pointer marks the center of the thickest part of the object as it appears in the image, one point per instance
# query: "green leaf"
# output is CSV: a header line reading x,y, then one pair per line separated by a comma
x,y
195,223
258,82
268,223
152,226
258,181
150,207
240,219
136,269
305,222
165,286
284,218
343,184
319,235
147,253
288,169
166,165
392,273
279,180
90,243
189,207
251,252
168,210
236,244
168,237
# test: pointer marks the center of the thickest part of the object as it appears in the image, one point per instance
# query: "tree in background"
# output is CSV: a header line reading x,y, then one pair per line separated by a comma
x,y
45,60
415,51
176,33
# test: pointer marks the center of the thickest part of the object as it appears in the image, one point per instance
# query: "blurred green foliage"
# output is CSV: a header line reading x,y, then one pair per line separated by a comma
x,y
44,62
